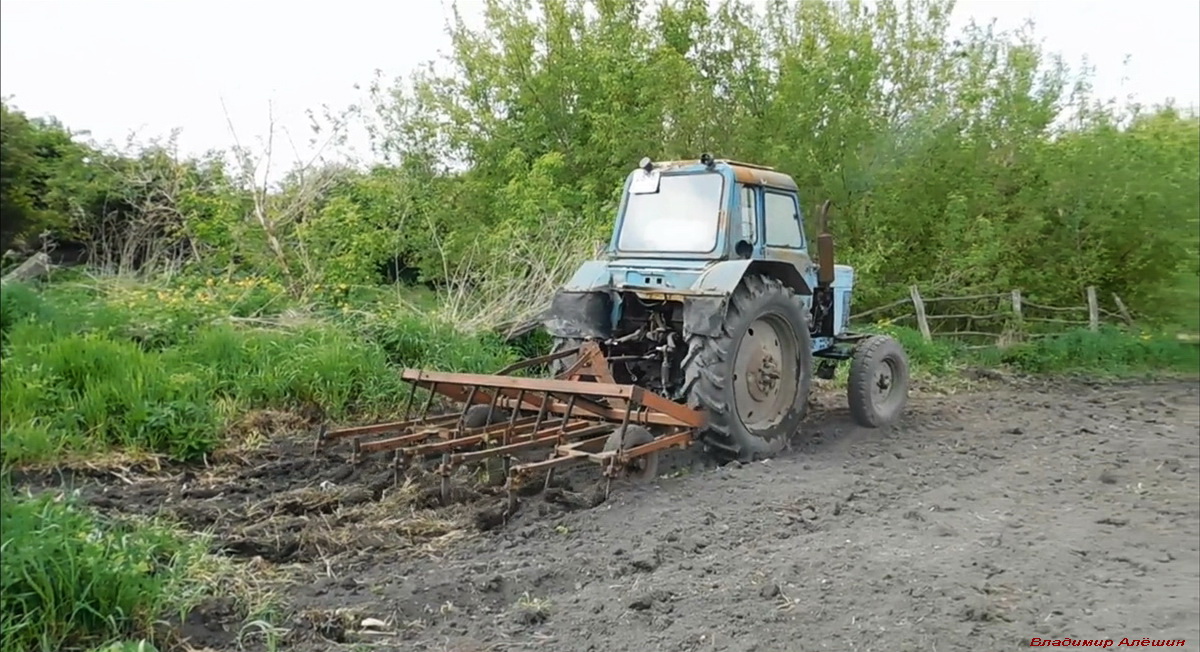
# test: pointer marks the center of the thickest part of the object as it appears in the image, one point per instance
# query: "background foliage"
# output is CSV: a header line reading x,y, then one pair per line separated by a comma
x,y
965,162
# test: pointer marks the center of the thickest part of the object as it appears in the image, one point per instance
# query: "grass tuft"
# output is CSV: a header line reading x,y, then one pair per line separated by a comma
x,y
70,578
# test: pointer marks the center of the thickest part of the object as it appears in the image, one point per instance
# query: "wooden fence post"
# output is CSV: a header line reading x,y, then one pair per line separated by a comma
x,y
1016,306
919,307
1093,309
1123,309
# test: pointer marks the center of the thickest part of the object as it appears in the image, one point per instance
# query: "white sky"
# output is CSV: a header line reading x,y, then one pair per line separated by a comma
x,y
118,66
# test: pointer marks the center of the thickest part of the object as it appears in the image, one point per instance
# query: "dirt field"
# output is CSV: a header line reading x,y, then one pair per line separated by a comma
x,y
1014,511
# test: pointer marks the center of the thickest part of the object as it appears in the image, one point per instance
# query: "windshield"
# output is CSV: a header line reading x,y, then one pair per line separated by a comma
x,y
681,217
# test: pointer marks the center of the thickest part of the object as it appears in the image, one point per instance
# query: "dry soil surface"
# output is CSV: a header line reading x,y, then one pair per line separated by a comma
x,y
984,519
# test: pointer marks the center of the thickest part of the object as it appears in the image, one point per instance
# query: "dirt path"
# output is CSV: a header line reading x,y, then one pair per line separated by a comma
x,y
983,520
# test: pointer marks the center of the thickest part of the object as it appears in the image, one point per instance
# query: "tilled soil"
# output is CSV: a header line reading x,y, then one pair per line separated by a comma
x,y
983,520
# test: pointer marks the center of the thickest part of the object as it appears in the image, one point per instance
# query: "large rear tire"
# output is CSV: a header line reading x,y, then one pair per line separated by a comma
x,y
754,379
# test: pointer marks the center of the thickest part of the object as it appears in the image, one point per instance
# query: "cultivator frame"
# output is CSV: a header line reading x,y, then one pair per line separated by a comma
x,y
581,415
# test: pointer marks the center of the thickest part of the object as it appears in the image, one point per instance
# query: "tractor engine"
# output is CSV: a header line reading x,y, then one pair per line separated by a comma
x,y
648,346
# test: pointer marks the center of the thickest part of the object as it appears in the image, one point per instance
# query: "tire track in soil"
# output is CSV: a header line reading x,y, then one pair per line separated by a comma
x,y
982,520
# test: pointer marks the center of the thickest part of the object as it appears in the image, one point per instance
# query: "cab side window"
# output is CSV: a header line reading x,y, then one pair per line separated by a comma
x,y
782,221
749,213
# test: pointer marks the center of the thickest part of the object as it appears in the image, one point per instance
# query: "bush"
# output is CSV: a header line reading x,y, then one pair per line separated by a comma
x,y
69,578
1110,351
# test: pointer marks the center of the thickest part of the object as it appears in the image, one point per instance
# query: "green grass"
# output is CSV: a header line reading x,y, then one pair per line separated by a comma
x,y
69,579
1109,352
116,366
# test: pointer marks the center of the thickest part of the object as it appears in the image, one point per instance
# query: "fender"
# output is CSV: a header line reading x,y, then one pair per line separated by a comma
x,y
582,308
591,276
707,300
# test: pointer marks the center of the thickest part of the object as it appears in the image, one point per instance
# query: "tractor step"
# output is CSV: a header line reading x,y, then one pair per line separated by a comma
x,y
573,416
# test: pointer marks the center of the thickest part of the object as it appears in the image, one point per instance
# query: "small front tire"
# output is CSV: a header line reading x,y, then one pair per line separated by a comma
x,y
878,385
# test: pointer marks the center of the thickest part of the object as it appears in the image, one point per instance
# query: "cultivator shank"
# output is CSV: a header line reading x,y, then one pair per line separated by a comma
x,y
581,415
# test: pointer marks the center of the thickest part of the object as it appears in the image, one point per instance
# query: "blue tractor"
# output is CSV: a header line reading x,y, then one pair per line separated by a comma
x,y
701,324
708,295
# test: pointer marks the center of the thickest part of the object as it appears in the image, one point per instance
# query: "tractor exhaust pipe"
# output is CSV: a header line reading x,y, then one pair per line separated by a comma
x,y
824,247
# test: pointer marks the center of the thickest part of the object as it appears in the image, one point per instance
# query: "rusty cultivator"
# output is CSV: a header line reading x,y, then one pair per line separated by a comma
x,y
706,321
580,415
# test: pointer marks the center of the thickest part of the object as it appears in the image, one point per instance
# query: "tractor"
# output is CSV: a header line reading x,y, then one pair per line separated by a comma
x,y
707,295
704,322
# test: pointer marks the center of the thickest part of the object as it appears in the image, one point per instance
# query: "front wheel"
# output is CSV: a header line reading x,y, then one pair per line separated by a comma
x,y
878,385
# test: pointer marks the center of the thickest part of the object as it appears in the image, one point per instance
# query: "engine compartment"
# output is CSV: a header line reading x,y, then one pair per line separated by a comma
x,y
649,344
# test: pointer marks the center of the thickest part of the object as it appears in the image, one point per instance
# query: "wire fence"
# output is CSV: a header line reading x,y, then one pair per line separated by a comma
x,y
998,318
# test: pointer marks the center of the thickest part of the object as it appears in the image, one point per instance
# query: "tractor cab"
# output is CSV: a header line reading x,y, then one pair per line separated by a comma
x,y
709,209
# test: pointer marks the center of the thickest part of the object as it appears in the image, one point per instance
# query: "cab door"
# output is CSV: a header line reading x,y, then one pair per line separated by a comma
x,y
783,237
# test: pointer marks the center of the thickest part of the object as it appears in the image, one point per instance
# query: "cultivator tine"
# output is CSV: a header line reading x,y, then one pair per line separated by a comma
x,y
444,471
512,420
570,407
433,389
322,436
492,406
412,396
462,416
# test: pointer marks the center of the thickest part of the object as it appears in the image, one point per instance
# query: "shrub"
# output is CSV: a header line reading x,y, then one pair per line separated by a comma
x,y
18,303
95,393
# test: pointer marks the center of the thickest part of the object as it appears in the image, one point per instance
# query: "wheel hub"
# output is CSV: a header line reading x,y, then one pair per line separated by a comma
x,y
883,380
762,385
762,379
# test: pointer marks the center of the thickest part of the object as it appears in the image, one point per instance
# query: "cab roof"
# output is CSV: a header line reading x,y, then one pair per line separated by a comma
x,y
748,173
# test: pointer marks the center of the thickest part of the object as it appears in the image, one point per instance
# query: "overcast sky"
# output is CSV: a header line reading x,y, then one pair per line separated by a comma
x,y
116,66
